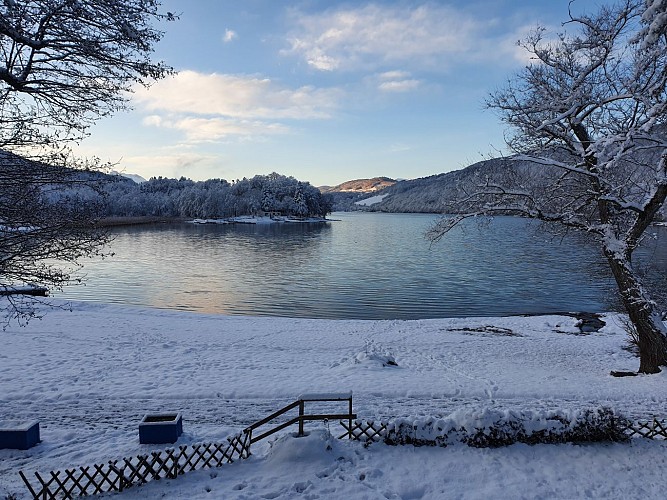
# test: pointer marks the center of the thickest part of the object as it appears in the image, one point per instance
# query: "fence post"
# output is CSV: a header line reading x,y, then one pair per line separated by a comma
x,y
301,414
247,441
350,419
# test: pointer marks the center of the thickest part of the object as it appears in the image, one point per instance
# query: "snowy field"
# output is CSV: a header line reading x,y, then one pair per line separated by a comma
x,y
90,375
367,202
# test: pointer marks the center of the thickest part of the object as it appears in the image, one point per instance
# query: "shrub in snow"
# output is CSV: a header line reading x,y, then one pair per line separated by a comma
x,y
492,428
601,424
422,432
374,358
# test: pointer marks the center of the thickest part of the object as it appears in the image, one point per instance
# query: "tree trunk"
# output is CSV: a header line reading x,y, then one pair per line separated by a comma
x,y
651,331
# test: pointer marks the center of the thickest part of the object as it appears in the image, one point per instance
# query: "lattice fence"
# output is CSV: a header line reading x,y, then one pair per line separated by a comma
x,y
365,430
652,429
369,431
119,475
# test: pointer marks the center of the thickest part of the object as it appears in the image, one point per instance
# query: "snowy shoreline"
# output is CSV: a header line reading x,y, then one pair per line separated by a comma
x,y
245,219
90,375
251,219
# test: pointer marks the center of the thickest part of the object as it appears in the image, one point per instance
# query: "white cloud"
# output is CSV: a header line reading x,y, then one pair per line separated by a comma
x,y
375,35
429,36
173,164
198,129
236,96
210,107
394,75
395,81
509,46
229,36
152,121
399,85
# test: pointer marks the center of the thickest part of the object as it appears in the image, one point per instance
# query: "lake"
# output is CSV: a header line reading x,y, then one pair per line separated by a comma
x,y
361,266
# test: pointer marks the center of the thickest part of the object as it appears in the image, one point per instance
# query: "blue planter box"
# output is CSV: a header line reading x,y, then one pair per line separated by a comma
x,y
19,435
160,428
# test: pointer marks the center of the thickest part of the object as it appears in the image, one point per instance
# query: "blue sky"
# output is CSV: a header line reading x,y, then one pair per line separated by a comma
x,y
325,91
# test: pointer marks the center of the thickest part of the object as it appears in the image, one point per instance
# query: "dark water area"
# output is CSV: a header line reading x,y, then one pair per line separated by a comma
x,y
361,266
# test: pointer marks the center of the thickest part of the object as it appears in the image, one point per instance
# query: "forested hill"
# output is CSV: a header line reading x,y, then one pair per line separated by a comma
x,y
115,195
345,195
434,194
360,185
218,198
214,198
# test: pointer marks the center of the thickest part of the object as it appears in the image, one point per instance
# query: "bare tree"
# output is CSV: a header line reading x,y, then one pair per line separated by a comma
x,y
64,64
588,115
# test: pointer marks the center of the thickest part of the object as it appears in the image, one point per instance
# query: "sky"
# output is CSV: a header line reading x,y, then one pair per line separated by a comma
x,y
323,90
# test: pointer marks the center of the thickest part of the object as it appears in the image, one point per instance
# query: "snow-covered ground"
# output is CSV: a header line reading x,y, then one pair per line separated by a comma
x,y
367,202
90,375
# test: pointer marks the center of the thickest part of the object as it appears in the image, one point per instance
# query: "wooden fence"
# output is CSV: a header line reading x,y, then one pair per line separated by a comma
x,y
369,431
365,430
119,475
302,416
651,429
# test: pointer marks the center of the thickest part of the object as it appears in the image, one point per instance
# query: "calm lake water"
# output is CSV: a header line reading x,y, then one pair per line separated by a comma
x,y
362,266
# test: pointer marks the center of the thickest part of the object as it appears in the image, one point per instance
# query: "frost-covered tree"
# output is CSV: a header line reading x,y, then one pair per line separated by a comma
x,y
591,111
299,207
64,64
213,198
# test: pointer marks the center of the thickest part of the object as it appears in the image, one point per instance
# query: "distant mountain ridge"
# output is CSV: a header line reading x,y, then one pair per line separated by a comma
x,y
437,193
135,177
423,195
360,185
433,194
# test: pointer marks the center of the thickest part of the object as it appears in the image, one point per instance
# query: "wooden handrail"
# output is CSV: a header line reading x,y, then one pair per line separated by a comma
x,y
272,416
300,403
341,396
170,463
274,430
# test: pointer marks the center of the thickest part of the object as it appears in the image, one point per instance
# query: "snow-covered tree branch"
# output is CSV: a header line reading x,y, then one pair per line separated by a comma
x,y
589,115
64,64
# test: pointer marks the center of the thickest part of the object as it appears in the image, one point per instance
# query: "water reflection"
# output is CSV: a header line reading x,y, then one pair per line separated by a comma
x,y
366,266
